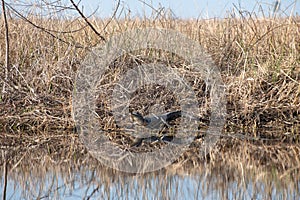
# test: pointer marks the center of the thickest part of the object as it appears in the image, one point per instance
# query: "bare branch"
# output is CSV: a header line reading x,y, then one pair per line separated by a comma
x,y
6,47
41,28
157,11
113,15
87,21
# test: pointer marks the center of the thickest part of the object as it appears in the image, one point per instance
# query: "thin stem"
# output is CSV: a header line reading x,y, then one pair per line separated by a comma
x,y
4,176
6,47
87,21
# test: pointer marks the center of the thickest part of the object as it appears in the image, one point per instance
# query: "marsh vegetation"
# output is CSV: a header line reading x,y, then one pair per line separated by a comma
x,y
259,61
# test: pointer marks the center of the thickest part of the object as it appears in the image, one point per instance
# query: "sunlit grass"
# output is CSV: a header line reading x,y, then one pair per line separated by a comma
x,y
258,59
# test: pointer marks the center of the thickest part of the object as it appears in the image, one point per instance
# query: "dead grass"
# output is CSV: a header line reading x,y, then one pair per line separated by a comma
x,y
259,61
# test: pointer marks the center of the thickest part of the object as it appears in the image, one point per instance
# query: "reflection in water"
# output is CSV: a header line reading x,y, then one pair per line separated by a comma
x,y
86,182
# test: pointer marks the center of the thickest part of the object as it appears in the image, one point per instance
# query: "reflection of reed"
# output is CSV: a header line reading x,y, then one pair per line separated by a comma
x,y
93,181
66,148
4,174
258,60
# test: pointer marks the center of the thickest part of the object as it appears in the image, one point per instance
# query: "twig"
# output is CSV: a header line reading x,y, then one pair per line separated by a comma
x,y
87,21
295,81
4,173
6,47
41,28
113,15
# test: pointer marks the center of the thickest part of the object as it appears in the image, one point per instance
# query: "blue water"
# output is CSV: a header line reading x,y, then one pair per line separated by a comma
x,y
104,184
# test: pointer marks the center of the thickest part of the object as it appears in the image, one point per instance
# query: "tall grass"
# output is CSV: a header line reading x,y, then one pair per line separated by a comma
x,y
258,58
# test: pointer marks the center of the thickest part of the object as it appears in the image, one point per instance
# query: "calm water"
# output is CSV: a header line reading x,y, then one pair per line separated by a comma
x,y
86,182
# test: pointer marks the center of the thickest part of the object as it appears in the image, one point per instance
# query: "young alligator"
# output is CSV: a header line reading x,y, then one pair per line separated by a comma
x,y
157,122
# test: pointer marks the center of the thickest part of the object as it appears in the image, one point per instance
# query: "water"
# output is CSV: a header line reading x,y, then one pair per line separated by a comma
x,y
93,181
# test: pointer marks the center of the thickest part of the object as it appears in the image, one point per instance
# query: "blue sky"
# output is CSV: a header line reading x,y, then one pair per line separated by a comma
x,y
189,8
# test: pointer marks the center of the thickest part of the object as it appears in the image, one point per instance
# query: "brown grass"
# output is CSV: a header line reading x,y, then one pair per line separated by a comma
x,y
259,61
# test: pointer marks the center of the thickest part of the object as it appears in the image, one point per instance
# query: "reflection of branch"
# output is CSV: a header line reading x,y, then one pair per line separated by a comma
x,y
93,192
87,21
4,155
6,47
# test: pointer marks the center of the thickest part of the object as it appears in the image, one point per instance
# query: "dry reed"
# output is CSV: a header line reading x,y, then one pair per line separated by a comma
x,y
259,61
